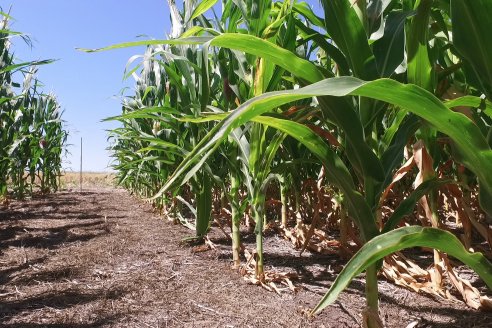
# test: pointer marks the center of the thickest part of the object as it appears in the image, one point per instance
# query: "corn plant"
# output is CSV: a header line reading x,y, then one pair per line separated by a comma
x,y
371,75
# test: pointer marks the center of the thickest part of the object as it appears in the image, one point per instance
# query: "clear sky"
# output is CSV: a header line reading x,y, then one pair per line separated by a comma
x,y
87,85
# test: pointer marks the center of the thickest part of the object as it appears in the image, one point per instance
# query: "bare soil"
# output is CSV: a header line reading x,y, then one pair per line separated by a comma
x,y
101,258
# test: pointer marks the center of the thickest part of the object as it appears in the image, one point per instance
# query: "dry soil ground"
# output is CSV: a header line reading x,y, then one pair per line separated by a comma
x,y
101,258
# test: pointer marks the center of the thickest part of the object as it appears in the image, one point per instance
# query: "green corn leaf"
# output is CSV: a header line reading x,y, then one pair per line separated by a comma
x,y
202,8
396,240
247,43
204,205
184,41
322,41
392,157
10,68
147,112
408,204
204,79
160,149
392,129
289,61
346,29
160,143
419,70
389,50
303,9
470,101
471,28
485,200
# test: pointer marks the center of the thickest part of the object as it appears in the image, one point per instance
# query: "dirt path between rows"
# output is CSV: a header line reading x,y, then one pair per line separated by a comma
x,y
101,258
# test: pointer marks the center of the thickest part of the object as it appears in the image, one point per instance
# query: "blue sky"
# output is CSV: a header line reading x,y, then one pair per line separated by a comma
x,y
87,85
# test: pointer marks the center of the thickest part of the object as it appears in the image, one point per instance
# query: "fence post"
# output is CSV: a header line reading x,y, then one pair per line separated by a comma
x,y
80,177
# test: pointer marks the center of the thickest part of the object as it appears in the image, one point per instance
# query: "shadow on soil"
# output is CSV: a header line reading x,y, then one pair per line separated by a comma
x,y
59,300
5,274
72,295
50,238
98,323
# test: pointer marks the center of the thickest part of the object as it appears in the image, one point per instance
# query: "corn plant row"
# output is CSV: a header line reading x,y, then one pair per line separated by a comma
x,y
383,106
32,136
